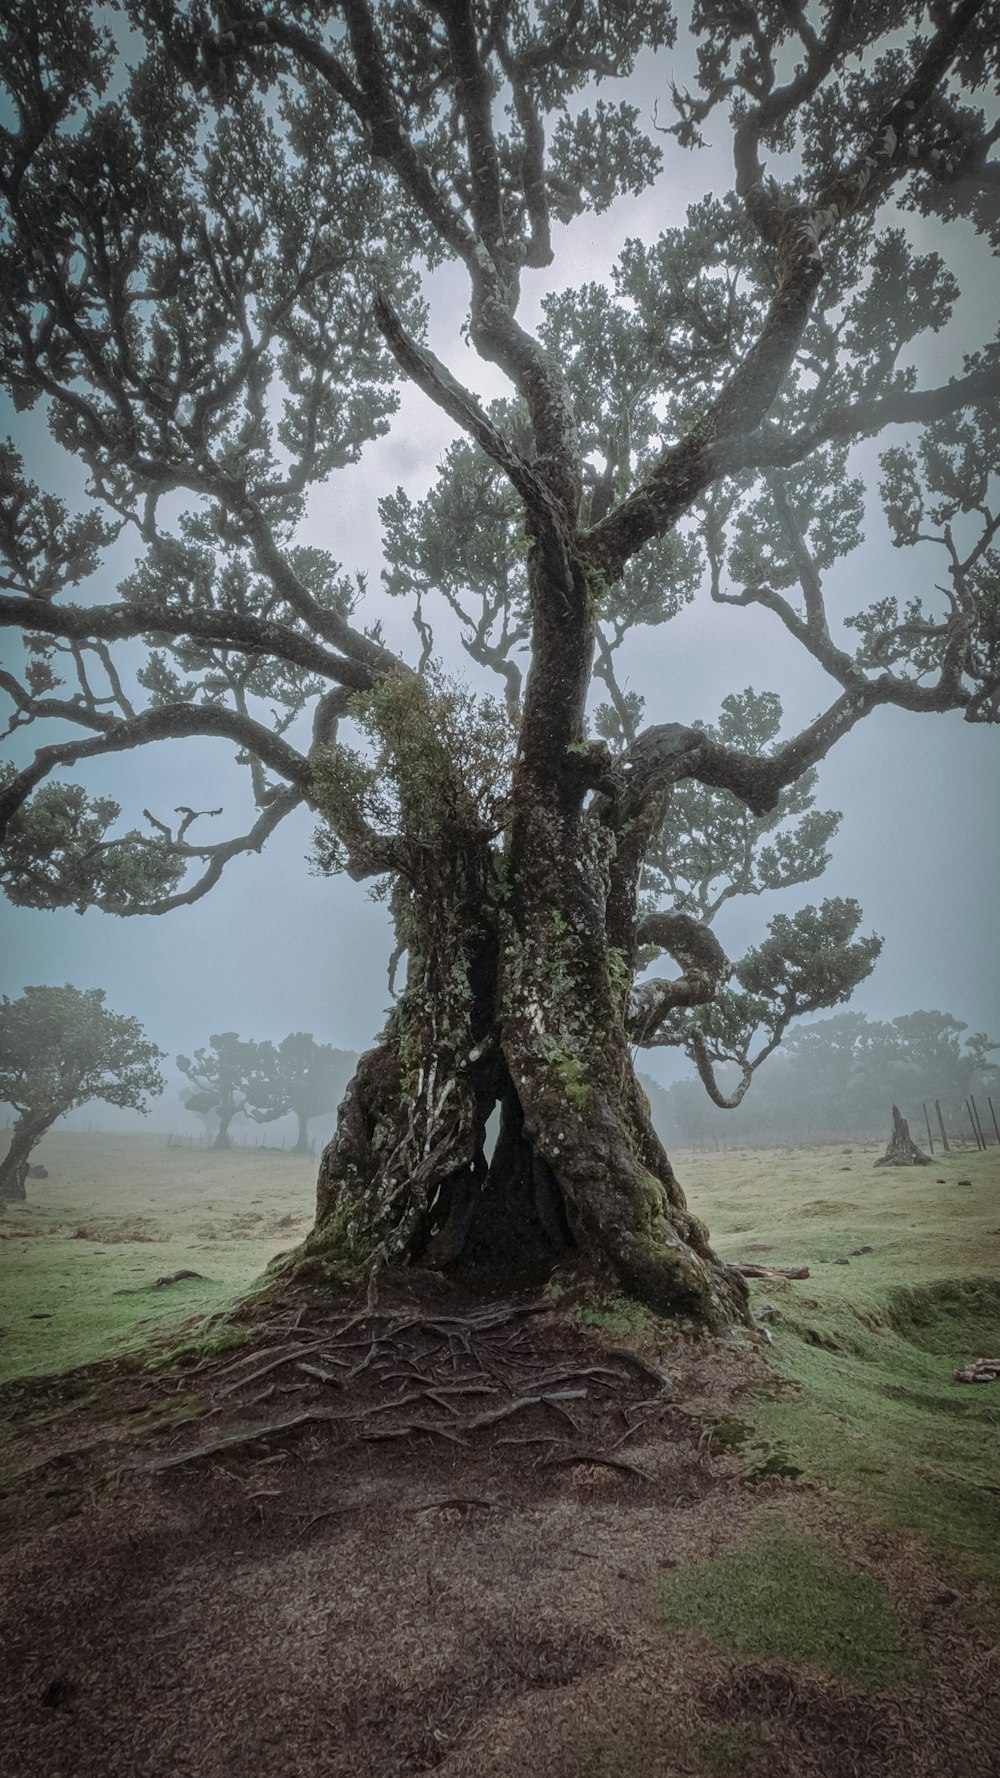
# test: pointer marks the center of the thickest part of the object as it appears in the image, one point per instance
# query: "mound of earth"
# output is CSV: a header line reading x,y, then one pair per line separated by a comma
x,y
430,1536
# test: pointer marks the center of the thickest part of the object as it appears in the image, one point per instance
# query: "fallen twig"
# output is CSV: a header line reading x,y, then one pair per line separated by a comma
x,y
643,1365
435,1426
250,1435
491,1415
427,1506
596,1458
322,1376
289,1353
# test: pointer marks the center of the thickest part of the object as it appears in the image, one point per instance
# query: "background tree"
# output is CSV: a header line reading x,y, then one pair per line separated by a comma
x,y
299,1076
60,1047
837,1078
226,1078
211,287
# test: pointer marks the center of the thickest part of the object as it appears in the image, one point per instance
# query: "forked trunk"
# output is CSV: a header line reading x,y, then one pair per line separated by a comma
x,y
523,1016
519,967
577,1174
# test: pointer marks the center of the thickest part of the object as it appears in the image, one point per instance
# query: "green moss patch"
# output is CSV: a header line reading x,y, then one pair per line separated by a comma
x,y
618,1314
786,1596
874,1409
949,1315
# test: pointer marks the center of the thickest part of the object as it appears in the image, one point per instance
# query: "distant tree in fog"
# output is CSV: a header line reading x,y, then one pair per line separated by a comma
x,y
300,1076
838,1078
60,1047
226,1076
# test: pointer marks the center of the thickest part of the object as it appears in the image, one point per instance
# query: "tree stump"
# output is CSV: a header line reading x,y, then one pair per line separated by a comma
x,y
902,1151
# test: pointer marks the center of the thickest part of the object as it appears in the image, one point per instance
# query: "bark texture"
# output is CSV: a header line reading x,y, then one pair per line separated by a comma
x,y
520,962
902,1151
14,1166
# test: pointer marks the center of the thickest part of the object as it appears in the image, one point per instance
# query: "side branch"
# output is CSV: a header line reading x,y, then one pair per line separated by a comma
x,y
242,633
436,381
704,963
172,722
862,419
218,857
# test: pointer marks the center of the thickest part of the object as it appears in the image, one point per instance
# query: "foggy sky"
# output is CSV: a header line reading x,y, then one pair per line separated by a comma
x,y
273,949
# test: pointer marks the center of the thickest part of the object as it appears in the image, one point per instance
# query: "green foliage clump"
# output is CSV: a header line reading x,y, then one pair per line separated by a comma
x,y
434,770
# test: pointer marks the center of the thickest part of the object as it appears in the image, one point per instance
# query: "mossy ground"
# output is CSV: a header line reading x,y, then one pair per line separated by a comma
x,y
864,1353
787,1596
116,1213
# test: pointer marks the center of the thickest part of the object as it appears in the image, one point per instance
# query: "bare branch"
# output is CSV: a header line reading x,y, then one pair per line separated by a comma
x,y
141,617
436,380
171,722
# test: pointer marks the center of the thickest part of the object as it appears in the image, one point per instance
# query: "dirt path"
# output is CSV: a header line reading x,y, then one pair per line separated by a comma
x,y
421,1565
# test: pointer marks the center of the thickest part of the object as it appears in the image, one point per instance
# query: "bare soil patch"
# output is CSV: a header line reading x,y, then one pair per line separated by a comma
x,y
438,1548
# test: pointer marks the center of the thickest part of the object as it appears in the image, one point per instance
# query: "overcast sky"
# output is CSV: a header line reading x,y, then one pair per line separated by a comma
x,y
273,949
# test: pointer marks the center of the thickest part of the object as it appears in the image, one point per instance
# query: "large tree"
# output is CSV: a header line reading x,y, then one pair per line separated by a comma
x,y
211,288
60,1047
228,1076
300,1077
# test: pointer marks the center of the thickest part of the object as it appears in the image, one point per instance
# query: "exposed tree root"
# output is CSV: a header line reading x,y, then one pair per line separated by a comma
x,y
414,1358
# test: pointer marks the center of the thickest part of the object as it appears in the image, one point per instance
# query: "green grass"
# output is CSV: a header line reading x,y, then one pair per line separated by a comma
x,y
619,1314
881,1420
785,1596
146,1211
864,1354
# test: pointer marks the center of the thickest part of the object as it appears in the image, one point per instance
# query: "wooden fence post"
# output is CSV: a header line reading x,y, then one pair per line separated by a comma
x,y
944,1139
927,1121
993,1115
972,1121
979,1122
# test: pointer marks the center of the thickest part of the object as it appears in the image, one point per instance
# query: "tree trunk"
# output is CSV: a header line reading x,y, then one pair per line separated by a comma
x,y
519,967
222,1136
14,1166
302,1140
902,1151
577,1177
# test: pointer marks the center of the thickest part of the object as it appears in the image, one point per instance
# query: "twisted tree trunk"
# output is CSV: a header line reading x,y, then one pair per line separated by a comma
x,y
27,1132
519,970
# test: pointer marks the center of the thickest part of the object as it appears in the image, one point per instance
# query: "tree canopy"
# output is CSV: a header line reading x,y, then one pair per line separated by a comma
x,y
302,1077
60,1047
227,1077
838,1077
217,222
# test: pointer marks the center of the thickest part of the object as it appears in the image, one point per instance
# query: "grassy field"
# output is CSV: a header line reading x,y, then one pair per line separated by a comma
x,y
863,1352
801,1579
118,1212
